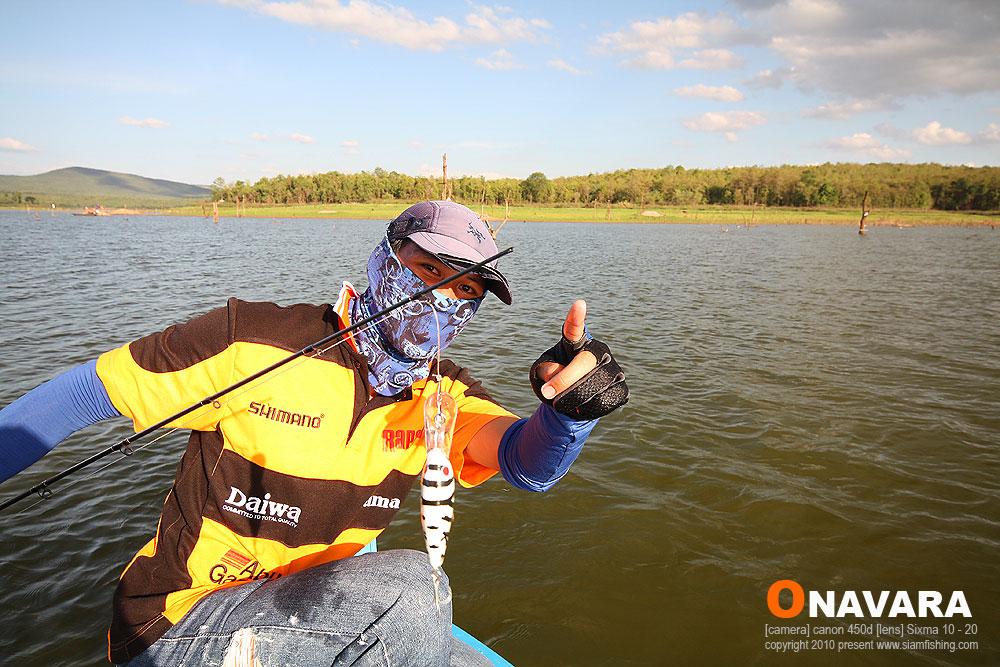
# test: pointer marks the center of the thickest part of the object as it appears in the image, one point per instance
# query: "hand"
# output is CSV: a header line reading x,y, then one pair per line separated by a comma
x,y
558,378
578,376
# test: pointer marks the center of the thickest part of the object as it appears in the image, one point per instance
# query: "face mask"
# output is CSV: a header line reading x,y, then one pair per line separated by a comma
x,y
401,345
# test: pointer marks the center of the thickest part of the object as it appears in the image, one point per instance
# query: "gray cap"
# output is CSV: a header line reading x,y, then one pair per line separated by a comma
x,y
455,234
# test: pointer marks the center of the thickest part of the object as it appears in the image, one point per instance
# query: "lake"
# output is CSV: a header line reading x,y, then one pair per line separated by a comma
x,y
807,404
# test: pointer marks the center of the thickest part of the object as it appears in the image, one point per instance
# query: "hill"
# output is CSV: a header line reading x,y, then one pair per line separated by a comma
x,y
80,186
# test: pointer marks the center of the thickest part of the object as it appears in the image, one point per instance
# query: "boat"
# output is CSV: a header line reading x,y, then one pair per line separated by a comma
x,y
458,633
97,210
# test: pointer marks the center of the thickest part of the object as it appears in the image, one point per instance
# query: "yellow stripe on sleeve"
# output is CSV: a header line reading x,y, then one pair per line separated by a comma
x,y
147,397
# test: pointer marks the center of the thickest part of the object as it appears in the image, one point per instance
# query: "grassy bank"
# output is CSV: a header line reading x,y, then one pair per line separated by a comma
x,y
714,215
718,215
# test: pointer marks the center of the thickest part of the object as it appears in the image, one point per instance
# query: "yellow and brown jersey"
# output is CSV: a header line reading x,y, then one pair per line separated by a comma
x,y
296,469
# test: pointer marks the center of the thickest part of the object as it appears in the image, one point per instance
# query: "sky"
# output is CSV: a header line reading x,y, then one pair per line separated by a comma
x,y
196,90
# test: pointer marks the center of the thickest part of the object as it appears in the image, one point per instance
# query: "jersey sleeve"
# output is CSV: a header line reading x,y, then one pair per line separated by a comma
x,y
476,408
159,375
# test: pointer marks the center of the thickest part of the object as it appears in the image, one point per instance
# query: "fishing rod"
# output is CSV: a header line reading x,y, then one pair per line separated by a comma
x,y
124,446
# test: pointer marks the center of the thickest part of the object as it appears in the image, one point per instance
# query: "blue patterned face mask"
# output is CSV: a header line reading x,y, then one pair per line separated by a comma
x,y
401,345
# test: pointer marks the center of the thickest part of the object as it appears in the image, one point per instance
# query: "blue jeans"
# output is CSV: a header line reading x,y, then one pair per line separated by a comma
x,y
373,609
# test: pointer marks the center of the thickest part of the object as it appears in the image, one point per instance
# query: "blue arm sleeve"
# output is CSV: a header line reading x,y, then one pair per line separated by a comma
x,y
537,452
38,421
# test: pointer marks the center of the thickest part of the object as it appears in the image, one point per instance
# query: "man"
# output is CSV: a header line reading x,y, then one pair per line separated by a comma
x,y
286,477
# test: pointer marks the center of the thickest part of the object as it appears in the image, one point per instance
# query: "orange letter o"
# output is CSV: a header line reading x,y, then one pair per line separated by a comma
x,y
798,598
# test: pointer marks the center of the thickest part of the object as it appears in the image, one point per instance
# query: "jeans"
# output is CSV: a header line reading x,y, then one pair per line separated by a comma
x,y
373,609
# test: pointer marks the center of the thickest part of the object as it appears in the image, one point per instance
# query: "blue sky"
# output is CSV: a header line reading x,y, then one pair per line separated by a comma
x,y
241,89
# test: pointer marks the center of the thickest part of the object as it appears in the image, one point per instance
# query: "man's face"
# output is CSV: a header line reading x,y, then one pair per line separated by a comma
x,y
431,270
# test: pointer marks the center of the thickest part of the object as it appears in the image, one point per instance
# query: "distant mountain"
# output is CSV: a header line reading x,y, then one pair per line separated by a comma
x,y
82,186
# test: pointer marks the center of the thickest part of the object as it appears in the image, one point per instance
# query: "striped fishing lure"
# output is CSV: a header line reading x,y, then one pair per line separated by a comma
x,y
437,510
437,486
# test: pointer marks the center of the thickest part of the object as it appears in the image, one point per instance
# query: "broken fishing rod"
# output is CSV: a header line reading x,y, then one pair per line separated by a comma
x,y
43,489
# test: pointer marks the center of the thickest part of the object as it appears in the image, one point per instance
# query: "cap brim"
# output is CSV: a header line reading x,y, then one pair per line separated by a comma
x,y
495,281
459,256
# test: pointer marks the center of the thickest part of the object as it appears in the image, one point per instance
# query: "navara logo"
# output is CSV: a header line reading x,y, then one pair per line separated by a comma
x,y
284,416
850,604
262,509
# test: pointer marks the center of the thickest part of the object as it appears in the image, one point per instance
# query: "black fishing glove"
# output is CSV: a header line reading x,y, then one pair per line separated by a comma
x,y
597,393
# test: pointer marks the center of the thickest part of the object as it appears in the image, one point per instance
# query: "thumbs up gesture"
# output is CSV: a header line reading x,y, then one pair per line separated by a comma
x,y
578,376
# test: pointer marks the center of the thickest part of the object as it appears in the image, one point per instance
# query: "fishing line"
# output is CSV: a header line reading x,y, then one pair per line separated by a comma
x,y
437,368
44,490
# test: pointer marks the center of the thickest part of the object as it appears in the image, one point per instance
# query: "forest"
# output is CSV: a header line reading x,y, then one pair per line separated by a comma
x,y
911,186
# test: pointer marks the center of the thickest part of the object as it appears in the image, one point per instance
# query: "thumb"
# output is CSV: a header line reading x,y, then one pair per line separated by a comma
x,y
576,321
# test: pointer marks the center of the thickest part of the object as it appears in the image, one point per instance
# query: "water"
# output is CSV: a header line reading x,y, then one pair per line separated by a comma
x,y
806,404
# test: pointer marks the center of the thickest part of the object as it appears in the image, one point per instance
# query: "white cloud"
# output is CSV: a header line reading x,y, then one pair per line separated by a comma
x,y
15,146
851,49
731,137
502,59
151,123
652,59
725,121
352,151
416,144
301,138
844,110
718,93
693,36
713,59
259,137
563,65
991,134
856,48
386,23
933,134
350,144
770,78
865,144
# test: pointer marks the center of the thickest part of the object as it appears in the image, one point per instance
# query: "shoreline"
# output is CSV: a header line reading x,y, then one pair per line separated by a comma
x,y
726,217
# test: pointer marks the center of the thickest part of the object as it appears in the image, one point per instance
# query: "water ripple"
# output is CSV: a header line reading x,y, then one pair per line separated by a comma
x,y
805,404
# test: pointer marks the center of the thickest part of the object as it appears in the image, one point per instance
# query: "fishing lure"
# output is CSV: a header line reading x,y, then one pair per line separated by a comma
x,y
437,486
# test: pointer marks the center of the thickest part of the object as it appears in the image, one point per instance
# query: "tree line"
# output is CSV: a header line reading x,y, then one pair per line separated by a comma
x,y
920,186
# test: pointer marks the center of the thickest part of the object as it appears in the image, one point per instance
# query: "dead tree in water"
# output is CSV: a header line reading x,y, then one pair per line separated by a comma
x,y
864,214
506,217
486,218
444,184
